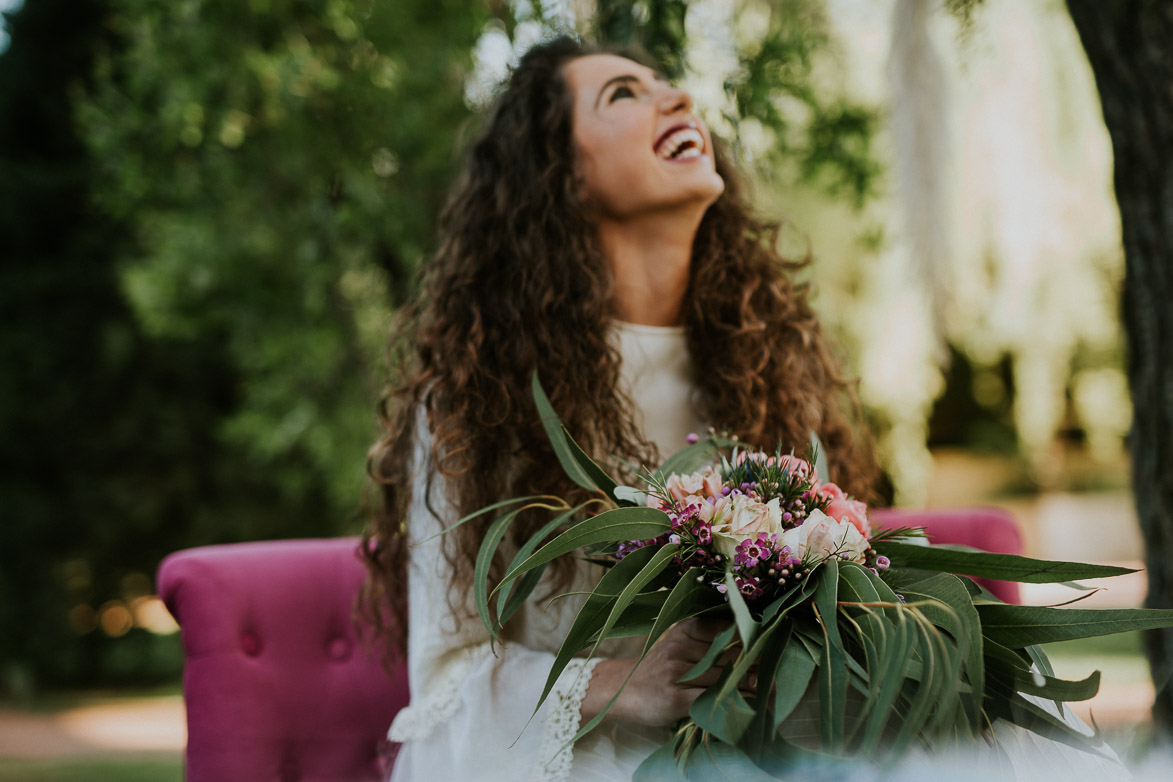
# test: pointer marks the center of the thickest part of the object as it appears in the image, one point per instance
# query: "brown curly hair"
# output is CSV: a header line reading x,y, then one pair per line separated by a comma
x,y
519,282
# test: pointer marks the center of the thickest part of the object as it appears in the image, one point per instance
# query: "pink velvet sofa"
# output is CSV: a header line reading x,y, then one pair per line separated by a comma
x,y
278,688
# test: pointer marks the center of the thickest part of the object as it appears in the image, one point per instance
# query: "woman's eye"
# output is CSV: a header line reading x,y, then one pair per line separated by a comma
x,y
622,91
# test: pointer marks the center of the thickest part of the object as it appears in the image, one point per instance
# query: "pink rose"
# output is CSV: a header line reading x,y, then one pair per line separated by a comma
x,y
841,508
800,468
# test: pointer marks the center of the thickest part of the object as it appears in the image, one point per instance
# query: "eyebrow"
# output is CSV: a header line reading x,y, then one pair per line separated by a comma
x,y
623,79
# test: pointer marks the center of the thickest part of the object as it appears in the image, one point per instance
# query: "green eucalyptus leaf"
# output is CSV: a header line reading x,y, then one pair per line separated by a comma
x,y
716,760
484,562
1021,626
593,615
832,678
746,626
983,564
726,717
660,766
579,467
792,677
716,648
621,524
693,457
507,607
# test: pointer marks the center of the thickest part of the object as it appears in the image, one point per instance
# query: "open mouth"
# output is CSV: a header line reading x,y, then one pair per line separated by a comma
x,y
680,142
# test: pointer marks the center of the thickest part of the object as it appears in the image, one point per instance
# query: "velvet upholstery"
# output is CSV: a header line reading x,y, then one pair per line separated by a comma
x,y
989,529
277,686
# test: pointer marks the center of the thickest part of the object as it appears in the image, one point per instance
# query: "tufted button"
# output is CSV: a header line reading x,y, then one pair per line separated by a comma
x,y
250,644
339,649
290,772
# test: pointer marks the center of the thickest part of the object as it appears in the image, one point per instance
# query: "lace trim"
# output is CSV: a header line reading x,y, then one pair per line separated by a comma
x,y
562,721
417,720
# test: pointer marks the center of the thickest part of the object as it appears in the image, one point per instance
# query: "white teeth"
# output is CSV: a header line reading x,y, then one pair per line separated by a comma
x,y
678,139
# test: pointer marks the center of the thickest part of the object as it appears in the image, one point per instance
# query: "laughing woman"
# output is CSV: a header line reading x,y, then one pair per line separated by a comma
x,y
600,236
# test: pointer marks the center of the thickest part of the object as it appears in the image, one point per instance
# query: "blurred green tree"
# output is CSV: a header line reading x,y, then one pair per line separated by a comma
x,y
281,164
256,180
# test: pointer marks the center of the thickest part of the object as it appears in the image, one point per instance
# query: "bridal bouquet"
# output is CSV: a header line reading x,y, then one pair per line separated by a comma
x,y
824,609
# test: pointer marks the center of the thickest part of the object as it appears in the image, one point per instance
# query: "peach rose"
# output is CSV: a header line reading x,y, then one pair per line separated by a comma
x,y
843,508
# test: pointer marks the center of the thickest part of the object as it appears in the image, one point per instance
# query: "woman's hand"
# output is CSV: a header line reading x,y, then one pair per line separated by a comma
x,y
653,696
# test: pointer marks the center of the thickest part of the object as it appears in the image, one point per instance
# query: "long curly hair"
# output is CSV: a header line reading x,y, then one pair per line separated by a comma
x,y
519,282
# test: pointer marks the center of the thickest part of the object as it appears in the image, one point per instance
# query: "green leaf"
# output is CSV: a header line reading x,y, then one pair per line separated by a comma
x,y
964,624
484,562
1021,626
746,626
685,600
1035,683
714,760
594,612
659,561
832,680
620,524
660,766
482,512
603,599
719,644
727,717
579,467
983,564
693,457
507,607
792,678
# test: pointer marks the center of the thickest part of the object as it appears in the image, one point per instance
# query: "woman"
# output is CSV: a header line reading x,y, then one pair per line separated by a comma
x,y
599,236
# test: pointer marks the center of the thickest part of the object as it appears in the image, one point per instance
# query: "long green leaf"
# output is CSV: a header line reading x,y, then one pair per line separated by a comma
x,y
693,457
686,599
482,512
1035,683
983,564
485,555
621,524
1021,626
720,642
746,626
578,466
507,607
832,680
964,623
660,766
726,718
594,613
793,676
659,561
715,760
631,584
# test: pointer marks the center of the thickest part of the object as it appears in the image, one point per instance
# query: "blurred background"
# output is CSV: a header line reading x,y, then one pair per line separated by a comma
x,y
209,211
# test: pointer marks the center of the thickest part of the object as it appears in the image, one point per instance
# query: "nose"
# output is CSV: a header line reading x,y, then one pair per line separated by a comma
x,y
674,99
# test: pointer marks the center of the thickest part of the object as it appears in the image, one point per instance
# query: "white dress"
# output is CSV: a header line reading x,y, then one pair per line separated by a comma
x,y
469,717
470,712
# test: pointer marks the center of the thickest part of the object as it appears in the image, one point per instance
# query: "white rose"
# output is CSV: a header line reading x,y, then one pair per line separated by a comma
x,y
737,518
821,536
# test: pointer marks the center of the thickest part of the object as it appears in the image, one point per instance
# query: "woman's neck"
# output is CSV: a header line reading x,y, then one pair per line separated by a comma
x,y
650,260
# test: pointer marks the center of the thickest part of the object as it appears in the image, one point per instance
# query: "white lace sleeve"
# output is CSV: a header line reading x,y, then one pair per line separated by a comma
x,y
472,710
563,722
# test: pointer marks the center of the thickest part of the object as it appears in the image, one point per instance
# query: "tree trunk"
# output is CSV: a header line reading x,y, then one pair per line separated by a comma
x,y
1130,46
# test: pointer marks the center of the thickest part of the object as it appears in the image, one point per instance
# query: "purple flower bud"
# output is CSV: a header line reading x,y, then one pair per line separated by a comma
x,y
692,437
883,563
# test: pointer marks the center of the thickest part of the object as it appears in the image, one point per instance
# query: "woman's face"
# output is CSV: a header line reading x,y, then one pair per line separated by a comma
x,y
640,149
